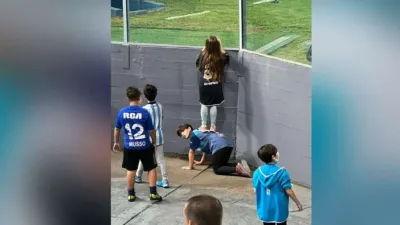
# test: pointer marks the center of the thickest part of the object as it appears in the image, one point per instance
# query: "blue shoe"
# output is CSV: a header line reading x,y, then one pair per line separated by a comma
x,y
163,183
138,180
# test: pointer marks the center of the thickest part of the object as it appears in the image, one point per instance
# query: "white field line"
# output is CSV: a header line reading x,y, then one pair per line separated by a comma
x,y
262,1
187,15
272,43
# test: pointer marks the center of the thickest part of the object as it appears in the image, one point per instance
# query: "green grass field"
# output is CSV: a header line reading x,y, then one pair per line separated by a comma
x,y
264,23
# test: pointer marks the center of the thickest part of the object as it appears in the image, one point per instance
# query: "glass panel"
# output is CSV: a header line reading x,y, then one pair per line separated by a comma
x,y
278,28
117,22
184,22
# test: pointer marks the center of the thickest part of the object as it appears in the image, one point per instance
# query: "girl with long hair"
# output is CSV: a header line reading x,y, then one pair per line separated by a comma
x,y
211,63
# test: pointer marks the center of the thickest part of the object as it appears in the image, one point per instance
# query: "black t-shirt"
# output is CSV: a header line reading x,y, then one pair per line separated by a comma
x,y
210,91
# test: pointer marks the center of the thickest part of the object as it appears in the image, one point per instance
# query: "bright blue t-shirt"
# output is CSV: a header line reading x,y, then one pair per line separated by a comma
x,y
270,182
136,122
208,141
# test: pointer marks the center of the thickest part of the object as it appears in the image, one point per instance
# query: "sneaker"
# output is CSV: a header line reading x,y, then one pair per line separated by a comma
x,y
131,198
213,128
203,128
246,167
138,180
241,171
155,197
163,183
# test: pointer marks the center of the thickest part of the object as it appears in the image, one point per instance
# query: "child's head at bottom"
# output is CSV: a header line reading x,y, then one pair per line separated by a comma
x,y
203,210
268,153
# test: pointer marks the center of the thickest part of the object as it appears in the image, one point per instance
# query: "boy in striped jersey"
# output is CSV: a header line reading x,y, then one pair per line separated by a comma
x,y
156,111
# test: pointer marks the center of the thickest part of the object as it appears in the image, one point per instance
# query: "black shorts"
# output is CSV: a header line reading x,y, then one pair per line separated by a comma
x,y
132,157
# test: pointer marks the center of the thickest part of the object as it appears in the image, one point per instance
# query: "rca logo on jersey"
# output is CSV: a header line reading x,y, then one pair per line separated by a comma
x,y
137,116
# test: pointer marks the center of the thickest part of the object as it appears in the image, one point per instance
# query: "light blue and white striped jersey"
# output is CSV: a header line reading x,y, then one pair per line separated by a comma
x,y
156,111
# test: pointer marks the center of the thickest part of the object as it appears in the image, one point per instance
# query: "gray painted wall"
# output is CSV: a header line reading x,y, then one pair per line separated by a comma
x,y
274,107
267,100
173,71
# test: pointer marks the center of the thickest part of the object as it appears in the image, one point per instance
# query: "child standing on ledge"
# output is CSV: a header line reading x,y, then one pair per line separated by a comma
x,y
273,188
211,63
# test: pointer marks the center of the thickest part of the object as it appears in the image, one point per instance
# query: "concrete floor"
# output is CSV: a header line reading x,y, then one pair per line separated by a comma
x,y
235,193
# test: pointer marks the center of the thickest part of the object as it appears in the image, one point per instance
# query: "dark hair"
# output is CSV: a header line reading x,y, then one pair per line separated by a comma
x,y
213,59
150,92
183,127
204,210
133,93
266,152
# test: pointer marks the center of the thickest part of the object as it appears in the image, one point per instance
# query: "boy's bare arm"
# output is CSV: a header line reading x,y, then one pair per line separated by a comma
x,y
203,157
153,137
116,135
292,195
191,159
116,147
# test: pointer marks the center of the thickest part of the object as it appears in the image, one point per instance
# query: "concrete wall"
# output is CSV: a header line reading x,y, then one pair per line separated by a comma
x,y
274,107
173,71
267,100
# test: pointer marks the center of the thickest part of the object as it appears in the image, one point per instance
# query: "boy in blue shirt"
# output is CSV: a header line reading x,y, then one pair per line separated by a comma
x,y
273,188
138,127
214,143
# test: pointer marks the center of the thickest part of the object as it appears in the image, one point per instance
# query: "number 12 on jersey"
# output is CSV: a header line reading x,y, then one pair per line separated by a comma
x,y
139,133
